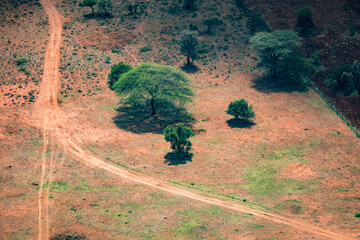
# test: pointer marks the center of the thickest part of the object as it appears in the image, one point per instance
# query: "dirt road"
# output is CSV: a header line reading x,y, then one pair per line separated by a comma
x,y
48,110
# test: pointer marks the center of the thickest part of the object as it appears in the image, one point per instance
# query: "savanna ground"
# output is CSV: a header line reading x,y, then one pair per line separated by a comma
x,y
299,159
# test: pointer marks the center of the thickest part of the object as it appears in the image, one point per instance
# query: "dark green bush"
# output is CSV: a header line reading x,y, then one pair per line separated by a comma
x,y
21,61
291,73
116,71
305,24
240,108
344,79
353,27
255,23
179,138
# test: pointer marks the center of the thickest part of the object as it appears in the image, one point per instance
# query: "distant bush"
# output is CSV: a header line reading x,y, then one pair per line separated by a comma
x,y
212,22
241,4
179,138
255,23
104,7
116,71
305,24
146,48
190,4
240,108
21,61
353,27
357,215
342,79
107,60
174,9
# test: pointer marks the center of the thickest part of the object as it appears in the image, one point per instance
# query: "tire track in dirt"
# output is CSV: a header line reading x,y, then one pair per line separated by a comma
x,y
47,107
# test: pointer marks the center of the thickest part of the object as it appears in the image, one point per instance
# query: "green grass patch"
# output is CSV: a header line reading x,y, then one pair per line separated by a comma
x,y
192,228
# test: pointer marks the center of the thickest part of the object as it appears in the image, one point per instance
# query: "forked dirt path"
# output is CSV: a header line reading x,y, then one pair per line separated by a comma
x,y
48,110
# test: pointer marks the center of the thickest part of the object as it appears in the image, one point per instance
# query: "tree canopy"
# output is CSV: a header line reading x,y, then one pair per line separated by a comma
x,y
153,84
91,4
274,46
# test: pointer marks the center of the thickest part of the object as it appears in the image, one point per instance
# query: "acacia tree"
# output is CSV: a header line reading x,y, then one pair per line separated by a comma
x,y
153,84
91,4
211,22
188,44
178,137
275,46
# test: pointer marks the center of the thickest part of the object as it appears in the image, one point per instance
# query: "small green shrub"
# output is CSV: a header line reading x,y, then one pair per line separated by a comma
x,y
21,61
146,48
240,108
357,215
107,60
174,9
179,138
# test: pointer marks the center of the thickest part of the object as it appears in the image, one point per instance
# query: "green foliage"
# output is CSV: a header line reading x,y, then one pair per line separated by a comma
x,y
90,3
241,4
132,8
107,60
116,71
353,27
104,7
347,84
305,24
147,48
21,61
240,108
189,41
153,84
179,138
343,78
357,215
174,9
255,23
291,73
274,47
211,22
190,4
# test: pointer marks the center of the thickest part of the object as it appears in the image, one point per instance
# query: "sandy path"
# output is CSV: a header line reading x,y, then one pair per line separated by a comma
x,y
47,108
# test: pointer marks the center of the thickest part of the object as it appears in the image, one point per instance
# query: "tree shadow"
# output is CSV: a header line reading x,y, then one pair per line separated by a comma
x,y
240,123
137,118
267,84
175,159
192,68
99,16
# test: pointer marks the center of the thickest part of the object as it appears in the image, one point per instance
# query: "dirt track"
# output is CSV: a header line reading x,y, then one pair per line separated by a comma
x,y
47,109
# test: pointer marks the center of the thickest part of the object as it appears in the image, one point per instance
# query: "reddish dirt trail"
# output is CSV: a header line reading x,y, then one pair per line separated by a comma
x,y
47,108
